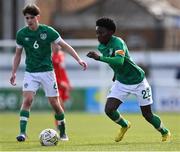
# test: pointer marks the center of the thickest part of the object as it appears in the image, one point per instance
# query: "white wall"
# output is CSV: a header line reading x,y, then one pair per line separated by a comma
x,y
162,67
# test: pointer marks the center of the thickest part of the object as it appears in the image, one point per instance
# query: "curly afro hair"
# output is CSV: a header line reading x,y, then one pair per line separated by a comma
x,y
107,23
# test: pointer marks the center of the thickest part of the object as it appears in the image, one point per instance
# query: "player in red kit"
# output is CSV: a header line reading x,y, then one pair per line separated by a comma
x,y
63,83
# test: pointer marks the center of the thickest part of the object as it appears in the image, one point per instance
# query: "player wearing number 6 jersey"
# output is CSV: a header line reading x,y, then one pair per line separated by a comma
x,y
128,78
36,39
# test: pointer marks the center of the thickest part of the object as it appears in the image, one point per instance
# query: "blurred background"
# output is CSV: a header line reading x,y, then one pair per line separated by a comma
x,y
151,29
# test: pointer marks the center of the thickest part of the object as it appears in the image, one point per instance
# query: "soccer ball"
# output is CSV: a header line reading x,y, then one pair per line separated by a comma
x,y
48,137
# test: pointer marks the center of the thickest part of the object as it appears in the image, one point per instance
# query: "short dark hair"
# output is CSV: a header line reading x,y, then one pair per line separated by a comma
x,y
107,23
31,9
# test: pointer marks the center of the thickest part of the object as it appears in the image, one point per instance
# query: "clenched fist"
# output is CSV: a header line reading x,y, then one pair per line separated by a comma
x,y
93,55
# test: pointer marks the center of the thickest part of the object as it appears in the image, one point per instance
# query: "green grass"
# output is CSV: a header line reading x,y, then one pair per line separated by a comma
x,y
89,132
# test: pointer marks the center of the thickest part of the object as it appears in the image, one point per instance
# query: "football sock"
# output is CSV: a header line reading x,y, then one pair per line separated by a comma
x,y
24,115
61,123
157,123
116,117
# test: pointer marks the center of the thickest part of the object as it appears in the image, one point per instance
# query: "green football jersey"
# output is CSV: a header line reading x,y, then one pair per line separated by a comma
x,y
37,46
116,54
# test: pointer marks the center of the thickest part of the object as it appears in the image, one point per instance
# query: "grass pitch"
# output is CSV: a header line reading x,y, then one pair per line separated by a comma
x,y
89,132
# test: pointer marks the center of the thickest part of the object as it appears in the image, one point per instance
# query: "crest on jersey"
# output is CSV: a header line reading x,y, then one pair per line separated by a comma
x,y
43,36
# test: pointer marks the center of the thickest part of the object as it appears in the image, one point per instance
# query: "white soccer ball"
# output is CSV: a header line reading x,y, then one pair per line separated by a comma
x,y
48,137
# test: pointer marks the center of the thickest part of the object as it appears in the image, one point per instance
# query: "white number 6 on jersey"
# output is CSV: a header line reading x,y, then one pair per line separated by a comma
x,y
36,45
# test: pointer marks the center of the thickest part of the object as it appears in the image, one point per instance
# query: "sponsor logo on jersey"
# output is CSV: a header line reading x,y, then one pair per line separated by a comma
x,y
43,36
120,52
26,38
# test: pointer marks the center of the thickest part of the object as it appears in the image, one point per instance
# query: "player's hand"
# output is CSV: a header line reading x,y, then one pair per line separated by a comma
x,y
93,55
13,79
83,64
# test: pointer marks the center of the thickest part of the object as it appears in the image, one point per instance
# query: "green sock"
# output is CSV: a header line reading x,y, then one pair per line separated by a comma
x,y
116,117
61,123
24,115
157,123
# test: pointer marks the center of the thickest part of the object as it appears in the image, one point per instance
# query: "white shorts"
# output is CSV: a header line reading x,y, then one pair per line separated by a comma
x,y
32,82
142,91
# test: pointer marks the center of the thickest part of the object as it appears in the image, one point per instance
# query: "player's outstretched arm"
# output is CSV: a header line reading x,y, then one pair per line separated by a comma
x,y
115,60
65,46
16,62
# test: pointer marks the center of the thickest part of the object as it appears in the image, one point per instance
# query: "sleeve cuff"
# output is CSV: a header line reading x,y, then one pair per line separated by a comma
x,y
57,40
19,46
101,58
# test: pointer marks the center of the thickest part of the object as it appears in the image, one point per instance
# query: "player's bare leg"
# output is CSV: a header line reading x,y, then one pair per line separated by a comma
x,y
111,107
62,105
24,114
59,116
156,122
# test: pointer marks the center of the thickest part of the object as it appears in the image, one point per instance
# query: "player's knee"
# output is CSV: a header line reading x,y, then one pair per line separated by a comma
x,y
27,103
148,116
108,110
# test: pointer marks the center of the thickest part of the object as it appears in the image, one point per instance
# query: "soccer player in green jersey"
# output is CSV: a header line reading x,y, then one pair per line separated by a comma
x,y
36,39
128,78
